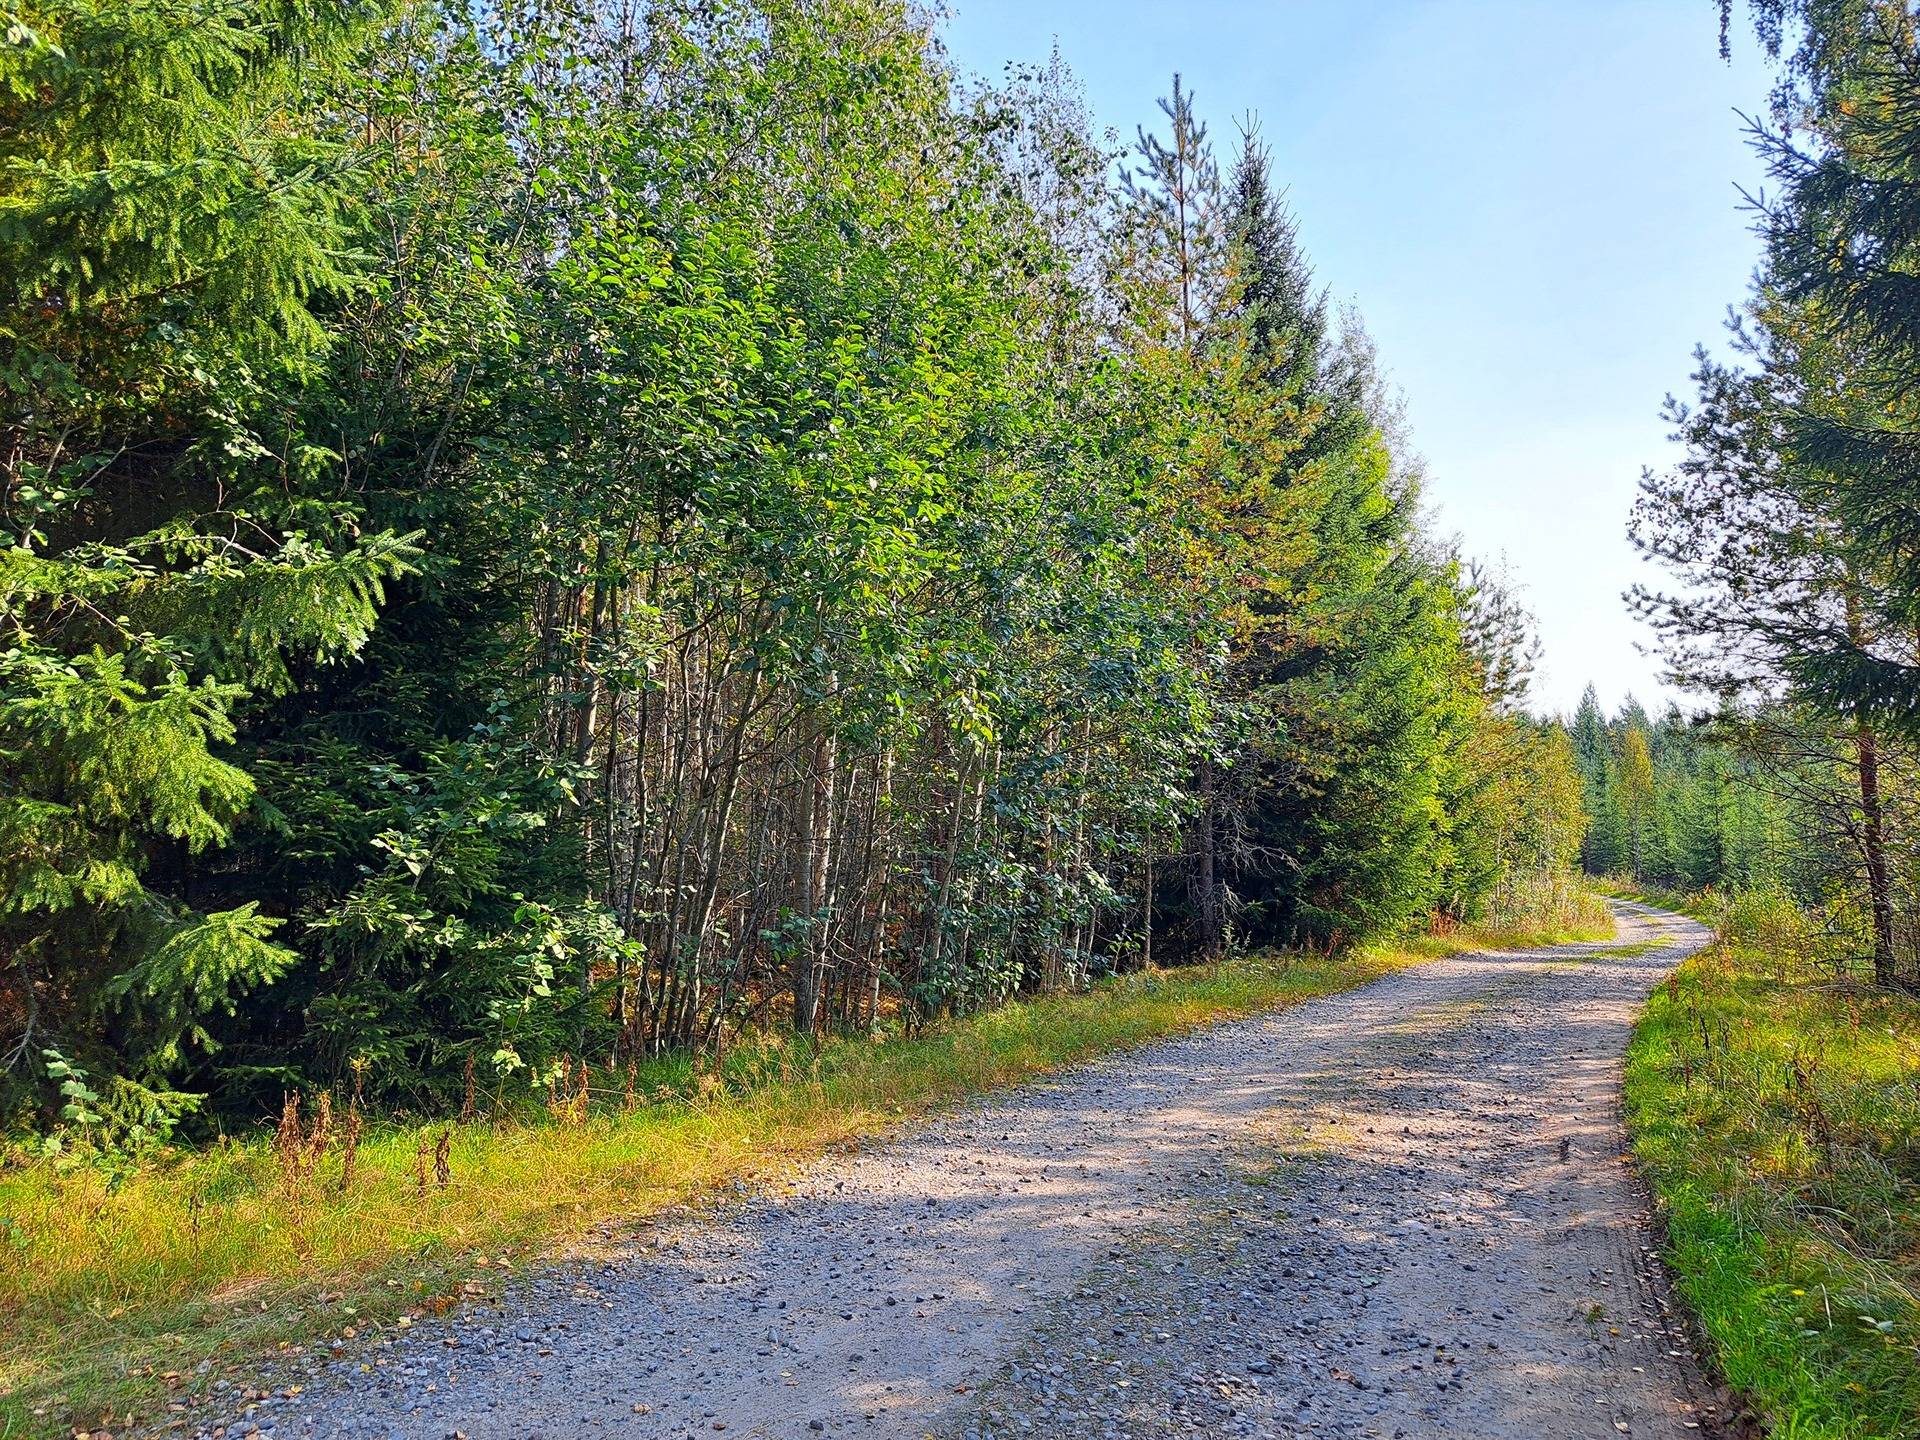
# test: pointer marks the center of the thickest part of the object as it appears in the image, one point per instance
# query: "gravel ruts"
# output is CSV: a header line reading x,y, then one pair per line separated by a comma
x,y
1401,1211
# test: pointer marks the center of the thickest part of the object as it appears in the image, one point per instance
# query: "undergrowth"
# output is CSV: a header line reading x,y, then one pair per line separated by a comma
x,y
1776,1114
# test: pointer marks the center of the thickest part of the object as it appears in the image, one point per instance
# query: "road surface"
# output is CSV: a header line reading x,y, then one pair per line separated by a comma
x,y
1401,1211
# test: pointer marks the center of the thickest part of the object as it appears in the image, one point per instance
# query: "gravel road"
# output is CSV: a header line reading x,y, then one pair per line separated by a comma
x,y
1402,1211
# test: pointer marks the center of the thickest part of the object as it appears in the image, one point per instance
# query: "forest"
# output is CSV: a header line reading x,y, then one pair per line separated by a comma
x,y
597,591
545,537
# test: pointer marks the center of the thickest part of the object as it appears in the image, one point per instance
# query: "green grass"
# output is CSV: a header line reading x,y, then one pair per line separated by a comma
x,y
1701,905
115,1289
1777,1118
1434,947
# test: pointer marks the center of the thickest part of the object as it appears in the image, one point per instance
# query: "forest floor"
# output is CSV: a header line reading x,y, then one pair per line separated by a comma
x,y
1400,1211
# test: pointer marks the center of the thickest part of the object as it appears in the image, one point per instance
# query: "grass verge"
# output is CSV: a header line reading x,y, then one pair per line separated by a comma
x,y
124,1296
1777,1119
1702,905
1592,925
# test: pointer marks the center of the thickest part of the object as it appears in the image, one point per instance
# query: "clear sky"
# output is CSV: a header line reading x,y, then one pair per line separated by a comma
x,y
1532,203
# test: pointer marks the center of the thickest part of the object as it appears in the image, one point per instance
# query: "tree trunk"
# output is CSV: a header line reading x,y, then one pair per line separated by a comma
x,y
1207,881
1146,908
1873,847
816,855
1873,844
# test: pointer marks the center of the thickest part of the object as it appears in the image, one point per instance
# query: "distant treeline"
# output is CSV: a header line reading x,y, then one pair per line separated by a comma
x,y
538,535
1760,799
1668,806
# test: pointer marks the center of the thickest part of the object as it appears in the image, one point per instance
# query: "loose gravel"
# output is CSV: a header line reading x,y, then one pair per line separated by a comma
x,y
1401,1211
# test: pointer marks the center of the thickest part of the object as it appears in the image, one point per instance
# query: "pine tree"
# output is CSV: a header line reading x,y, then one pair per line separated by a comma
x,y
1177,218
1843,233
1776,583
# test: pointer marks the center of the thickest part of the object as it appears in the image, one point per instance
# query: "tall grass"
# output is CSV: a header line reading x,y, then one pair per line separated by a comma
x,y
1553,907
1551,903
1777,1115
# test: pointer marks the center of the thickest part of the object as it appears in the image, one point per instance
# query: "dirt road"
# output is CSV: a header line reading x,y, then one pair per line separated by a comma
x,y
1402,1211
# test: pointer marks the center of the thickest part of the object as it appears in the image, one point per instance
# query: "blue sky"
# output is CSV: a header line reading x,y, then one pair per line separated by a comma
x,y
1532,203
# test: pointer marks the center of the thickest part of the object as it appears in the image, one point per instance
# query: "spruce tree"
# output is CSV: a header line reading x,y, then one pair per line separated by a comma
x,y
173,224
1345,651
1593,749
